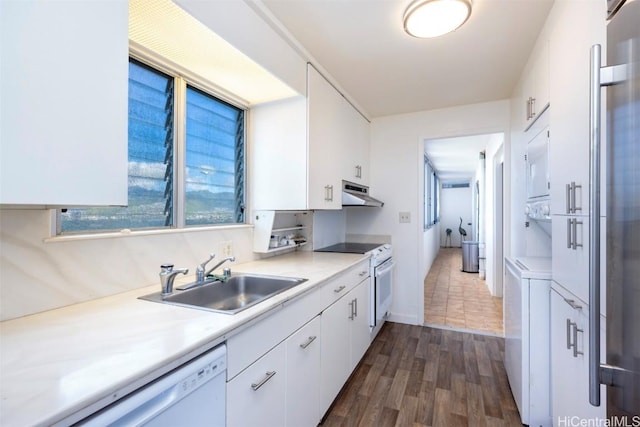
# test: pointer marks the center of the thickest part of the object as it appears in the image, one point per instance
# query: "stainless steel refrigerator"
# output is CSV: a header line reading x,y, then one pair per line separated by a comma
x,y
619,82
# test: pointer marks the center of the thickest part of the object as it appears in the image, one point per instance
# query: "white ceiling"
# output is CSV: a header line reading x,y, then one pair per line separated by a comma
x,y
162,27
362,45
457,159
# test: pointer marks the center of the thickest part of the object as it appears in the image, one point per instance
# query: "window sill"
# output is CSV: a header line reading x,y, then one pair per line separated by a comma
x,y
141,233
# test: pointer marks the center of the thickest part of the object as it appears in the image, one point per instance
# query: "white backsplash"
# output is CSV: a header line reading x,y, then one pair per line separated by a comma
x,y
38,275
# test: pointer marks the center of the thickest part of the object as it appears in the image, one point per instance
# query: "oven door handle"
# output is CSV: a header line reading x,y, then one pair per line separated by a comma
x,y
380,272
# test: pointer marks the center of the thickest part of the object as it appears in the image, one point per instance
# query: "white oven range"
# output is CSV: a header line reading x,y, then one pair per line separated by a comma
x,y
381,269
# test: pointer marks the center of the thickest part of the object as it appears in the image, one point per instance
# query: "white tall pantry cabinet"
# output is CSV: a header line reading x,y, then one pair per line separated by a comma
x,y
63,113
304,147
570,43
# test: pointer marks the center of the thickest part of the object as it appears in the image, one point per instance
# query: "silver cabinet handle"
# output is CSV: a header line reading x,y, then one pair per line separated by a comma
x,y
573,304
574,207
328,193
533,107
362,273
571,198
339,289
572,332
572,233
358,171
575,233
352,315
268,376
575,340
308,341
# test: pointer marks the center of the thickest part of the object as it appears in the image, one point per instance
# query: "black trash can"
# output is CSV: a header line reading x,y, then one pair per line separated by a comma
x,y
470,263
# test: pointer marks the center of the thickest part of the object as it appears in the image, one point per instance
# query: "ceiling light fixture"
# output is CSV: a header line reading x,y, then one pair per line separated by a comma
x,y
433,18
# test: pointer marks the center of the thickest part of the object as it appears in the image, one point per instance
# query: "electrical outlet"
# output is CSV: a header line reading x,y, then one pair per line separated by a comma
x,y
405,217
226,249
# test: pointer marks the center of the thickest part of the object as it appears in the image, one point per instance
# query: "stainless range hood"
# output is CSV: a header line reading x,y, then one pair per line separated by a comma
x,y
358,195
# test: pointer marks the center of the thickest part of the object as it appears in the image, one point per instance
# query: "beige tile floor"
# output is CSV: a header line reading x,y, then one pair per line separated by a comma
x,y
457,299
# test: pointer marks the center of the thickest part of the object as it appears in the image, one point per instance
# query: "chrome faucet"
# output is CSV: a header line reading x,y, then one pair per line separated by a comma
x,y
201,274
227,271
167,276
200,269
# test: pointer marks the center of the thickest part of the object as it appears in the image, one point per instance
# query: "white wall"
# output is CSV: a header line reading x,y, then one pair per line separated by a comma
x,y
493,153
456,203
430,248
36,275
397,152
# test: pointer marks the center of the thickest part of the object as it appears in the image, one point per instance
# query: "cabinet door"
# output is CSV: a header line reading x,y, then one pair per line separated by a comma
x,y
64,103
335,350
303,376
324,108
356,150
569,357
257,395
570,249
279,155
541,85
360,333
569,265
569,92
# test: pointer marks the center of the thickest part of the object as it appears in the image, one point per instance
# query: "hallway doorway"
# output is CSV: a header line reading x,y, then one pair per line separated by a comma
x,y
457,300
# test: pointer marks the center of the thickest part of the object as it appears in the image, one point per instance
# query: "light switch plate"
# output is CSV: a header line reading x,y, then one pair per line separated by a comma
x,y
405,217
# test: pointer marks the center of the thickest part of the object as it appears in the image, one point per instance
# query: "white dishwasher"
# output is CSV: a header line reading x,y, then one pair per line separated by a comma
x,y
190,395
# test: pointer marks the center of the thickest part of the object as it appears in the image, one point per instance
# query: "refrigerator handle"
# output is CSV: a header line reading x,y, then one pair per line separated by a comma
x,y
594,226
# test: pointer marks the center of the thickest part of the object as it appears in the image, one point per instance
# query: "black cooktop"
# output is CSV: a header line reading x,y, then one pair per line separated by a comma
x,y
351,248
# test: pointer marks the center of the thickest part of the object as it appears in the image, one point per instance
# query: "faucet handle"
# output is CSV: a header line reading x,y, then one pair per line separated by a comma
x,y
200,269
211,256
166,268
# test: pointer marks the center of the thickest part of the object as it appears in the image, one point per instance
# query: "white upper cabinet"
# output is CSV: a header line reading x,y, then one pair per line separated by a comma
x,y
327,142
63,121
304,147
356,150
569,118
535,86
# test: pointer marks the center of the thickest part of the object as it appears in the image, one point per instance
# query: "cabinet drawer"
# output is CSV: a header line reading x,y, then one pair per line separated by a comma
x,y
340,286
257,395
247,346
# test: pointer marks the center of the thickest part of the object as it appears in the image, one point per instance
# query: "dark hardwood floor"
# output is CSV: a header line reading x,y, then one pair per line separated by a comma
x,y
421,376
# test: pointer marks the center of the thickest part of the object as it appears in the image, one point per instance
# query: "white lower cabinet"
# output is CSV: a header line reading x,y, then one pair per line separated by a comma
x,y
256,397
345,338
569,360
279,369
303,376
282,387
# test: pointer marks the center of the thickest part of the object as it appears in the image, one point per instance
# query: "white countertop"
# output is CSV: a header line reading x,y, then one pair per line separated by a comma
x,y
82,357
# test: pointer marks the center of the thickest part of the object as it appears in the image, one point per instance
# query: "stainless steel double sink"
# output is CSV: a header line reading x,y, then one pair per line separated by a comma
x,y
236,293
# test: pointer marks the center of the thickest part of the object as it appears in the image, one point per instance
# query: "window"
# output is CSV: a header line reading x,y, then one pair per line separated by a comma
x,y
207,190
431,195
